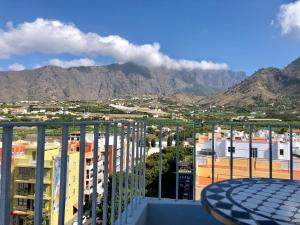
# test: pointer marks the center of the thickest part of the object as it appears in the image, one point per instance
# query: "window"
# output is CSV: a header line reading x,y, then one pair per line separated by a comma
x,y
25,172
254,153
89,162
45,205
281,151
46,189
22,202
47,173
34,155
233,149
23,189
21,221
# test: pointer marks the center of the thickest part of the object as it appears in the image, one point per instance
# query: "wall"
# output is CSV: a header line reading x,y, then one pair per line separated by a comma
x,y
169,212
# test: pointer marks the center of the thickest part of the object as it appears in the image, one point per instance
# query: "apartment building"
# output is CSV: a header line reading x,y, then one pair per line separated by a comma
x,y
89,175
111,153
23,185
74,145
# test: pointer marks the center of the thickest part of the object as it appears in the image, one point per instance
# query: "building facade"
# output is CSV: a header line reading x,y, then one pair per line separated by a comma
x,y
23,185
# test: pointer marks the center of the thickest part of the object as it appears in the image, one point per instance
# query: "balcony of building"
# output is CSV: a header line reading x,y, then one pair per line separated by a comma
x,y
126,185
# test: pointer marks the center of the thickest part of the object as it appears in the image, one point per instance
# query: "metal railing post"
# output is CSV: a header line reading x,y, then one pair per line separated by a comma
x,y
105,194
136,165
7,138
213,154
121,177
95,175
194,162
81,174
270,152
113,191
127,171
291,153
144,164
39,188
160,162
132,178
231,151
141,163
63,175
177,161
250,151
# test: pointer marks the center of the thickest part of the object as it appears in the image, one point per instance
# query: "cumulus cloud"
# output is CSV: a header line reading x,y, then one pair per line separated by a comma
x,y
16,67
289,18
72,63
56,37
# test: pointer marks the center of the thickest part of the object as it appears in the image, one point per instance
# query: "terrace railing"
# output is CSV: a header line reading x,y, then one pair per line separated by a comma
x,y
133,137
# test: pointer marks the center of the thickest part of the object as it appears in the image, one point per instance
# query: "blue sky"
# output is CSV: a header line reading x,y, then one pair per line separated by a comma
x,y
244,35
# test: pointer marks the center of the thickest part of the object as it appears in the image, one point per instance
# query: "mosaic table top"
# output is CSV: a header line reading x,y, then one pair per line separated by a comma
x,y
254,201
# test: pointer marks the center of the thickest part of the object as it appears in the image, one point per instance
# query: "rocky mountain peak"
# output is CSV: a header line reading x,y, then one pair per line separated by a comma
x,y
102,82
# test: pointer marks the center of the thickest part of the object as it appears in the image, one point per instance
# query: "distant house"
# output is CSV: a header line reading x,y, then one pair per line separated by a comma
x,y
240,148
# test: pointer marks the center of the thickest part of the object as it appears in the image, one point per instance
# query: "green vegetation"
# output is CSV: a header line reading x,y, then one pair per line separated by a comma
x,y
116,202
168,171
30,220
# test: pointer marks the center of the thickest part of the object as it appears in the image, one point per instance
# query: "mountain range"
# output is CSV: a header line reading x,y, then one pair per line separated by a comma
x,y
215,87
115,80
266,86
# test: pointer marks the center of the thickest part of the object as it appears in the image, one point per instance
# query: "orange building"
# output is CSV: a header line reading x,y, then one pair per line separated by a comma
x,y
18,149
260,168
241,167
202,138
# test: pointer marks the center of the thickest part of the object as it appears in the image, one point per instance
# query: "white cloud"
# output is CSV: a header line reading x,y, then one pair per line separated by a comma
x,y
289,18
16,67
72,63
55,37
37,65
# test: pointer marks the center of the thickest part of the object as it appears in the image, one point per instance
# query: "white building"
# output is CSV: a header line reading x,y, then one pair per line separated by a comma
x,y
89,177
260,149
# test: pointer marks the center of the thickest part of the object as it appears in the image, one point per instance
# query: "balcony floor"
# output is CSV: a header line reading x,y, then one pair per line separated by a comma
x,y
153,211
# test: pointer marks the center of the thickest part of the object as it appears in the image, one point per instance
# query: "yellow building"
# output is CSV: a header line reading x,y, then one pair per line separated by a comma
x,y
23,185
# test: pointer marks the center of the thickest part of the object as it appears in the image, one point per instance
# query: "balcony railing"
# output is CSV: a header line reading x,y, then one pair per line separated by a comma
x,y
133,150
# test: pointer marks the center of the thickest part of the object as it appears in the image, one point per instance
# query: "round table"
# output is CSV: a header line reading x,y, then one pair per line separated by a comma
x,y
253,201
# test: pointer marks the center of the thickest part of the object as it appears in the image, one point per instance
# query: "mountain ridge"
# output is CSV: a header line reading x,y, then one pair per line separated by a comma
x,y
109,81
265,86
